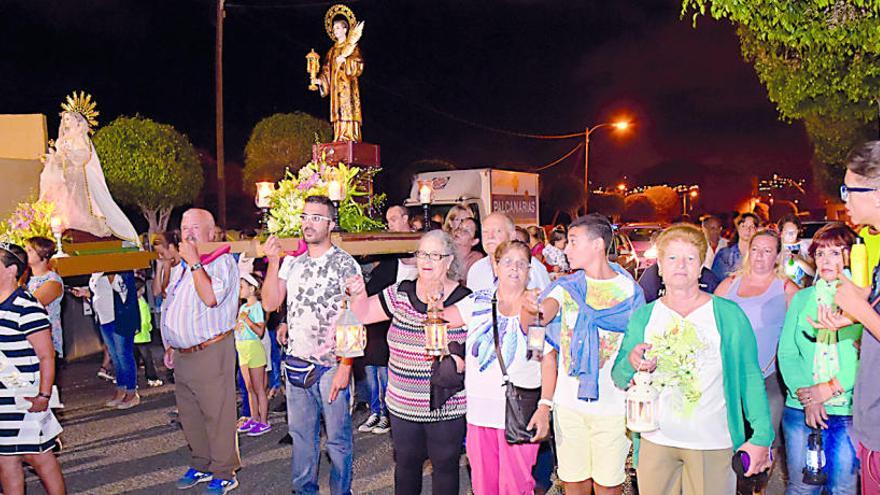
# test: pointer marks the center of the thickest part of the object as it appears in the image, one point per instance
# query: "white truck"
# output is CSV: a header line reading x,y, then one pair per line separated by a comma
x,y
485,190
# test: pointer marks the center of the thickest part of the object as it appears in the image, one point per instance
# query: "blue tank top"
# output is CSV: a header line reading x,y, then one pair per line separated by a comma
x,y
766,313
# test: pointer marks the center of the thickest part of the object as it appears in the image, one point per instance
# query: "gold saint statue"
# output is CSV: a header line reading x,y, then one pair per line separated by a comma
x,y
339,75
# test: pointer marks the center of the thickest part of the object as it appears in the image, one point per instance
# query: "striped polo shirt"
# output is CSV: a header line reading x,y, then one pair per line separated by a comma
x,y
409,367
20,316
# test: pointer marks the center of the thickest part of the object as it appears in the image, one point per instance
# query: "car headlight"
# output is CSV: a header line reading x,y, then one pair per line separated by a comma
x,y
651,253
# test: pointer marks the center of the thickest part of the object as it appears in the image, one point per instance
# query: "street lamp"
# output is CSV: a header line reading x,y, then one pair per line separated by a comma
x,y
620,126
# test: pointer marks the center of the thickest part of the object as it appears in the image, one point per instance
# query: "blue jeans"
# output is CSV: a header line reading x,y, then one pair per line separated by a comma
x,y
841,463
275,357
121,349
305,406
242,389
377,381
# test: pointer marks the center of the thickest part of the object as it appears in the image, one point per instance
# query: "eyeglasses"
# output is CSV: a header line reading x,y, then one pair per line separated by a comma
x,y
424,255
519,265
845,190
310,218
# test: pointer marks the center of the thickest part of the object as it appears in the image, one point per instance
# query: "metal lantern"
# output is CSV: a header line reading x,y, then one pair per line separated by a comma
x,y
535,337
426,197
436,340
814,473
264,192
642,405
313,65
57,229
336,193
351,335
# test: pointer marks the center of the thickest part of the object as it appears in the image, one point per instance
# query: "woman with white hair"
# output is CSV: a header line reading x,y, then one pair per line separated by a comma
x,y
425,397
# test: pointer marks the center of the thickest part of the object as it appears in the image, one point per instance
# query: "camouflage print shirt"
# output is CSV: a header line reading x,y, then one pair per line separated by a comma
x,y
315,288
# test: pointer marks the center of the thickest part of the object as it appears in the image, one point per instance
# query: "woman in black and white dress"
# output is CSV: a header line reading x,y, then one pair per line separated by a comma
x,y
27,432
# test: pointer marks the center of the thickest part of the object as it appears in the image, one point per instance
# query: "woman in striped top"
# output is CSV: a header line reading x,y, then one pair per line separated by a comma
x,y
27,433
425,398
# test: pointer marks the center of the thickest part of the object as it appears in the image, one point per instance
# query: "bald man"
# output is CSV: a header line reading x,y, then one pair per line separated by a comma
x,y
398,219
498,228
198,315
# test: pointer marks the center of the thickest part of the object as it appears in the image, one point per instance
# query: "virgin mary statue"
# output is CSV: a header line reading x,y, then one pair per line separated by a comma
x,y
73,180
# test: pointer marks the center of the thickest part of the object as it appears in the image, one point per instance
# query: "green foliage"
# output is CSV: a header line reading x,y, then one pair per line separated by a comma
x,y
818,59
279,142
149,165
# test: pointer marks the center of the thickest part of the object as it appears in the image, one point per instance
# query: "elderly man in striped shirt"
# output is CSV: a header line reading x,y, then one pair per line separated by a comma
x,y
198,316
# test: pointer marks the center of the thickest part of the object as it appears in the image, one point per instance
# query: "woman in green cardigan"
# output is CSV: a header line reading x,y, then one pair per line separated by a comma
x,y
819,369
702,354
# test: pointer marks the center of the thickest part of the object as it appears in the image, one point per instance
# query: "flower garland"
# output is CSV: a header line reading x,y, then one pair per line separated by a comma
x,y
287,201
26,221
676,353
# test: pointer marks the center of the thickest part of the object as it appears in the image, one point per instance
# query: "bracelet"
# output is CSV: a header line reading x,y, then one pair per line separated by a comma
x,y
44,395
196,267
546,402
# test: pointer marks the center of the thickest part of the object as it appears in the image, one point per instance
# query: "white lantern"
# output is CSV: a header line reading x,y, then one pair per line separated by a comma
x,y
642,405
351,335
535,337
436,340
265,189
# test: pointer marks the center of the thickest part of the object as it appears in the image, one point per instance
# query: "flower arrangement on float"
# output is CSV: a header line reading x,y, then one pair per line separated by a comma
x,y
31,219
319,178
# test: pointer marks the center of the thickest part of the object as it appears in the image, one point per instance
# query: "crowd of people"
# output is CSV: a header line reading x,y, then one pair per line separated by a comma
x,y
760,347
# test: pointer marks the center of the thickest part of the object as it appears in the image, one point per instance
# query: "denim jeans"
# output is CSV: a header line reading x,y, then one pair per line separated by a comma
x,y
304,410
377,381
841,464
121,349
242,390
275,359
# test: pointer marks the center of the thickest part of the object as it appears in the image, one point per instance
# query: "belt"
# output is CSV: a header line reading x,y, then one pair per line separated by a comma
x,y
205,344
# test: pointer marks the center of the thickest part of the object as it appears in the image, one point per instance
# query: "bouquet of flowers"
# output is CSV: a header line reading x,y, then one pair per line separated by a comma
x,y
286,203
28,220
676,353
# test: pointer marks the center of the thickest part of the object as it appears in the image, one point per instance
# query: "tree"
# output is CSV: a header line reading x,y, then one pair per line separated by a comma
x,y
820,62
149,165
639,209
665,200
281,141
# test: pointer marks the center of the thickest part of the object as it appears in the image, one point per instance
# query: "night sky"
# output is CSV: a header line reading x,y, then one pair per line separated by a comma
x,y
529,66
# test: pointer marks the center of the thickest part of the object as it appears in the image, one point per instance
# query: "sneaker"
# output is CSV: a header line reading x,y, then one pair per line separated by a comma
x,y
246,426
128,404
259,429
114,402
219,487
155,383
370,423
105,375
382,426
192,478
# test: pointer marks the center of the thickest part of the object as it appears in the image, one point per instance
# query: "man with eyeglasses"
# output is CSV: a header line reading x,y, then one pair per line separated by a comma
x,y
587,313
314,286
861,193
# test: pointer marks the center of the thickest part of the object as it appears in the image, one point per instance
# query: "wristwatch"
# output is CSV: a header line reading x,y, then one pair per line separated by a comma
x,y
546,402
196,267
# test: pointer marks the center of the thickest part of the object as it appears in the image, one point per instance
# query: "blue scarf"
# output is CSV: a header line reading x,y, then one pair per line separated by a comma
x,y
585,335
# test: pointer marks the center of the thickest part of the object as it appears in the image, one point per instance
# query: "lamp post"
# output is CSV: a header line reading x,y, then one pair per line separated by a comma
x,y
336,193
426,197
620,125
264,193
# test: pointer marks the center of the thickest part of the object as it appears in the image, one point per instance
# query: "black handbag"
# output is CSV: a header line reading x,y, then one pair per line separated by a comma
x,y
521,403
301,373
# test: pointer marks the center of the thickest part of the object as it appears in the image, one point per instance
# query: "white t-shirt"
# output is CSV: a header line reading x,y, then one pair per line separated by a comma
x,y
482,377
406,272
481,276
705,426
102,296
710,253
601,294
314,297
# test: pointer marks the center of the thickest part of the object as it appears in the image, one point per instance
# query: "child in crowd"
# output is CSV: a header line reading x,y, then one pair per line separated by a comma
x,y
554,252
143,337
252,356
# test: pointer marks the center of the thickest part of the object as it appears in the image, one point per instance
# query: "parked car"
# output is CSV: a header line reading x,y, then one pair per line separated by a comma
x,y
623,253
641,235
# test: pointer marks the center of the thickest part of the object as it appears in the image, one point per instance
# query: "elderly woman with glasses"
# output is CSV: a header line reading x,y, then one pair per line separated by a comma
x,y
425,397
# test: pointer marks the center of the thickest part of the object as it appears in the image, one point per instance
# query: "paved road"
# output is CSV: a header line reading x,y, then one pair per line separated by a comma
x,y
138,451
